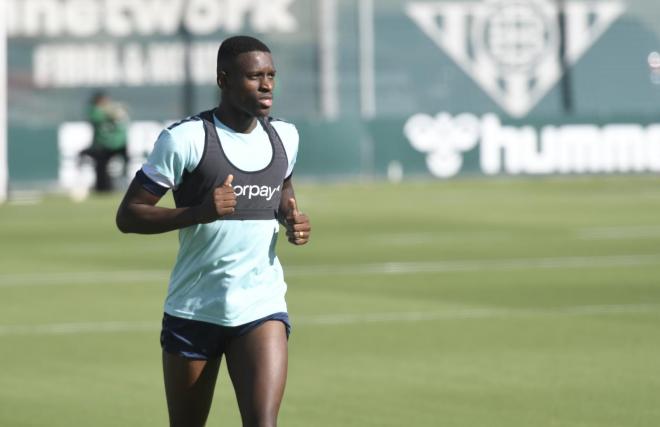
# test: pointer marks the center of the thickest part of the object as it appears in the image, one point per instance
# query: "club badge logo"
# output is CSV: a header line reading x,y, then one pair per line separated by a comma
x,y
511,47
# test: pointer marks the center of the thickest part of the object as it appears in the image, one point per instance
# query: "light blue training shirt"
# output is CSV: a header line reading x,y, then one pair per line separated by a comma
x,y
226,272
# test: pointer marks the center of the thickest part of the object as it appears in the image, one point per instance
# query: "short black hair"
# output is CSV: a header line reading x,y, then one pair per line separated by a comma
x,y
234,46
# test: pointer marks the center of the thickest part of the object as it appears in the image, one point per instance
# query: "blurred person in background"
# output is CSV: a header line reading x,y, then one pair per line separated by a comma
x,y
109,121
230,170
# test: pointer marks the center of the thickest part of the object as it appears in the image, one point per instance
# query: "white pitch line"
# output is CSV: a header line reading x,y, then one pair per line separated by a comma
x,y
78,328
620,233
471,265
606,261
421,238
478,313
349,319
82,277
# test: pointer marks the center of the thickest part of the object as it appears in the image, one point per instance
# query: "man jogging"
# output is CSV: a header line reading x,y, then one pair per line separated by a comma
x,y
230,172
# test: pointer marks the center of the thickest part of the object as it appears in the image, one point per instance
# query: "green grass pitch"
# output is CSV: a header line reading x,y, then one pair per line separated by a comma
x,y
469,303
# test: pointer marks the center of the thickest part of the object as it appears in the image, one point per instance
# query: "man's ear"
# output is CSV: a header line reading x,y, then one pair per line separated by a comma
x,y
222,80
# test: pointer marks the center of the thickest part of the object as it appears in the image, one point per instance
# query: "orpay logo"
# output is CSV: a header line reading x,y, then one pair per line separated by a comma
x,y
251,191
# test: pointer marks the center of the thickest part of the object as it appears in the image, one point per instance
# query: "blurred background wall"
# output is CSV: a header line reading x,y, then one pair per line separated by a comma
x,y
386,88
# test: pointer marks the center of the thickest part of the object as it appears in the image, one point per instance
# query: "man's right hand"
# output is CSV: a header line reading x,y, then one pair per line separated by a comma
x,y
221,202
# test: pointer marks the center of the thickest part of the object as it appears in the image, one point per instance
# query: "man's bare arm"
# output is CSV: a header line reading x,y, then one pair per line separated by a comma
x,y
138,212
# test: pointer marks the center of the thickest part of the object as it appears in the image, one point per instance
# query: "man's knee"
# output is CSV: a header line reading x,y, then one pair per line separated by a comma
x,y
262,420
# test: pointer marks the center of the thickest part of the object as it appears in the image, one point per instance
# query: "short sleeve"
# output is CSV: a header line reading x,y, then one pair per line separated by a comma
x,y
290,139
169,159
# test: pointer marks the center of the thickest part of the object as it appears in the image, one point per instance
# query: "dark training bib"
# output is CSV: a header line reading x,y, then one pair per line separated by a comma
x,y
258,193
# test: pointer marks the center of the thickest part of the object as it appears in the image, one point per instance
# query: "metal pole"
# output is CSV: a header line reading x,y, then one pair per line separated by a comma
x,y
4,172
188,87
566,83
329,90
367,75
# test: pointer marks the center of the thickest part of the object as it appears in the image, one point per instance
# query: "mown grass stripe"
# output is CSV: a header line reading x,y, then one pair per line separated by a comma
x,y
349,318
473,265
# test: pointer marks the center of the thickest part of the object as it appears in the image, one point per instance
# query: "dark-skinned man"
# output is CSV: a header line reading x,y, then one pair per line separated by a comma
x,y
230,172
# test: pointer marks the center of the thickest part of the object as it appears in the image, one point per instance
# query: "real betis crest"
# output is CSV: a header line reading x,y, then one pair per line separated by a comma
x,y
511,47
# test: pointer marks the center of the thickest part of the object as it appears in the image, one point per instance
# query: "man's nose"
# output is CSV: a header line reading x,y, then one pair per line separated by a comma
x,y
266,84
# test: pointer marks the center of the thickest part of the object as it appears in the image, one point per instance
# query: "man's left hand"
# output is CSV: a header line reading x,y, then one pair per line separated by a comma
x,y
298,227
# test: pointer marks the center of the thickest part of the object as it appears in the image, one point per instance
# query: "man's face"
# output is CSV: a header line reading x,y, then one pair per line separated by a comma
x,y
249,82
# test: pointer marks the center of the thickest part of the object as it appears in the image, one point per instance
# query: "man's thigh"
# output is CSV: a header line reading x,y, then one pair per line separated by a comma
x,y
257,364
192,352
189,386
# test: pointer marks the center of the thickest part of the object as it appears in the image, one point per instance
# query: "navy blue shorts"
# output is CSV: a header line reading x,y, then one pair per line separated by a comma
x,y
194,339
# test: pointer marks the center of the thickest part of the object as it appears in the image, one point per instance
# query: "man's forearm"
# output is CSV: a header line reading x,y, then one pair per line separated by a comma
x,y
147,219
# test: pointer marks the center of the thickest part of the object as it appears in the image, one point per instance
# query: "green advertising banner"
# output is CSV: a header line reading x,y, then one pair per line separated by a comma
x,y
387,88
